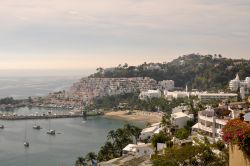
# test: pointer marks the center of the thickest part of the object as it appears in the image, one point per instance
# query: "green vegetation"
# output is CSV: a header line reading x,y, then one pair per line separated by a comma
x,y
182,134
116,141
201,72
89,159
133,102
8,100
191,156
159,138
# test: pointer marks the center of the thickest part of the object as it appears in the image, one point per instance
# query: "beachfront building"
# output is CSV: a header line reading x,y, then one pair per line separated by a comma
x,y
166,85
175,94
217,96
144,95
140,149
179,119
147,133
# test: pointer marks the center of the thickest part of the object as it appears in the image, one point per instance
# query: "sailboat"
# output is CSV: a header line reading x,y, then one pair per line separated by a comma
x,y
26,143
50,131
1,126
37,127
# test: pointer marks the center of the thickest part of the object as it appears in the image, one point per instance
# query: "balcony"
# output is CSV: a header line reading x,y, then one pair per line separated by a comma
x,y
205,118
203,127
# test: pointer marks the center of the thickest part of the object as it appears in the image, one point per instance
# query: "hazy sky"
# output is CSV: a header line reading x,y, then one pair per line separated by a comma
x,y
85,34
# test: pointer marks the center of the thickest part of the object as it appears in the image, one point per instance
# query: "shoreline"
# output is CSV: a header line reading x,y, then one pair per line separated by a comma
x,y
135,115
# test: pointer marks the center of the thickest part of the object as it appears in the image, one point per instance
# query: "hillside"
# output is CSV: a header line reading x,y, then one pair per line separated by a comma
x,y
203,72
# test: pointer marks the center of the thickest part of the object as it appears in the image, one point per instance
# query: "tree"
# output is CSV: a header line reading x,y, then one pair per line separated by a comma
x,y
182,133
107,152
91,157
81,162
189,156
159,138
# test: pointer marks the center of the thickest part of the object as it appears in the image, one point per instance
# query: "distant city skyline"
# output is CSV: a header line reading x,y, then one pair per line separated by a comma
x,y
81,35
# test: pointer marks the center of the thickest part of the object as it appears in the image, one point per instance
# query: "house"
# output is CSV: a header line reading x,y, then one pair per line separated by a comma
x,y
148,132
180,109
144,95
236,83
166,84
180,119
211,121
175,94
217,96
138,150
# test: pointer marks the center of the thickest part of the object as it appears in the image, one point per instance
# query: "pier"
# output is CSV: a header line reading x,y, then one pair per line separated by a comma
x,y
30,117
49,116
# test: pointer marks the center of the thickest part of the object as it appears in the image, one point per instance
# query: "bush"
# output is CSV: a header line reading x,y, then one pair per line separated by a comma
x,y
182,133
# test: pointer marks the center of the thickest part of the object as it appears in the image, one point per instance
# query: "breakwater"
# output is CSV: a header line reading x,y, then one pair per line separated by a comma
x,y
30,117
27,117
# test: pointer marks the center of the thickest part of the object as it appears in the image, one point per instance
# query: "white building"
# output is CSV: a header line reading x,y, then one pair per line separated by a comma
x,y
175,94
211,121
148,132
144,95
209,124
243,85
140,149
180,119
166,84
234,84
217,96
180,109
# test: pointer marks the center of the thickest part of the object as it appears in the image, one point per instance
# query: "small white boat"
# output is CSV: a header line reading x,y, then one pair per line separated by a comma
x,y
1,126
37,127
26,144
51,132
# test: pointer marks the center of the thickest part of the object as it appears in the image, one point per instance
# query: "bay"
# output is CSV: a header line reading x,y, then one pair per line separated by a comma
x,y
77,137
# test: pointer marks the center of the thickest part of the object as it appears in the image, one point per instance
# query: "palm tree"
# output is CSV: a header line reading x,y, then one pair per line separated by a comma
x,y
133,131
112,135
107,152
81,162
91,157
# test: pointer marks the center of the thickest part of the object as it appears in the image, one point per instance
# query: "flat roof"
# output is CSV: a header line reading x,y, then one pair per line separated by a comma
x,y
149,129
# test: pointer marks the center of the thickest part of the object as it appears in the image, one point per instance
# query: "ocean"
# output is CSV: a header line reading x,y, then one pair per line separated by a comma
x,y
76,136
23,87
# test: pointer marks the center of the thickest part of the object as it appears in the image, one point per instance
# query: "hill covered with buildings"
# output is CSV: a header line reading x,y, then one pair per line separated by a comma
x,y
202,72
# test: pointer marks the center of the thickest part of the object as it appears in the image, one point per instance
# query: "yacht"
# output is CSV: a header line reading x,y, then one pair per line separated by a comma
x,y
37,127
51,132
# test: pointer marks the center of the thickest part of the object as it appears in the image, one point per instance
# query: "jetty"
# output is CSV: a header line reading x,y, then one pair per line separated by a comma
x,y
27,117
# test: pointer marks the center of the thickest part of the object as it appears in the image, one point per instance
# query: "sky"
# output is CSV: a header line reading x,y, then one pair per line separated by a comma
x,y
77,35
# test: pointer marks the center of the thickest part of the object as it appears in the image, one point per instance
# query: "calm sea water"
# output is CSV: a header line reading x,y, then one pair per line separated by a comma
x,y
77,137
23,87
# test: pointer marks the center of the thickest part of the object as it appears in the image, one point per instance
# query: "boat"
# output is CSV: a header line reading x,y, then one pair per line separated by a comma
x,y
51,132
26,144
37,127
1,126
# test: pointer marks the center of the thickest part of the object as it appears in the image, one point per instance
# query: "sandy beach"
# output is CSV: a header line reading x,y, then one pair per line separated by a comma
x,y
148,117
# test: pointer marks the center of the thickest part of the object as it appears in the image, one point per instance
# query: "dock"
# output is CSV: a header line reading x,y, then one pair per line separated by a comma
x,y
31,117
